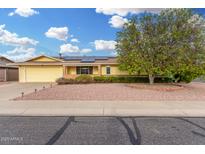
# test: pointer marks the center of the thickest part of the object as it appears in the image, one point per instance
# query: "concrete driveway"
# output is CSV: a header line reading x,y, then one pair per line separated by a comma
x,y
14,89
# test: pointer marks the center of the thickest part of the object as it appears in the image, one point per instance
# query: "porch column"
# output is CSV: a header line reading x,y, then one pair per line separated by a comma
x,y
5,75
99,70
64,71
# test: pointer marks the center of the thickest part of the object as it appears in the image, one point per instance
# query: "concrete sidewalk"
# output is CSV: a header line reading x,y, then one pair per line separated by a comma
x,y
103,108
14,89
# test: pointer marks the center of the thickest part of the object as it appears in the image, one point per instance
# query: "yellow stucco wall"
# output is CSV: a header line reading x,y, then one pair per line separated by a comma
x,y
40,73
71,70
22,73
95,70
51,73
114,70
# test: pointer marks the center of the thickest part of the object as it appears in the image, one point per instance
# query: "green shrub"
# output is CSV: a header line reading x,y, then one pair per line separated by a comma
x,y
111,79
163,80
62,81
129,79
186,77
120,79
84,79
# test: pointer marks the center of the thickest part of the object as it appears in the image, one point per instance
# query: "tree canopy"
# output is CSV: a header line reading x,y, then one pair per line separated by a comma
x,y
170,44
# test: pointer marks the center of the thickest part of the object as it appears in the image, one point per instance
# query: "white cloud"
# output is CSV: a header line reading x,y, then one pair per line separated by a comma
x,y
9,38
117,21
113,53
86,50
75,40
20,50
20,54
20,57
105,45
69,48
126,11
60,33
24,12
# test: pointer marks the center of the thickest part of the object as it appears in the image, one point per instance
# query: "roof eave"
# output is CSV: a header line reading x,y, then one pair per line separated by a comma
x,y
59,63
88,64
45,56
29,63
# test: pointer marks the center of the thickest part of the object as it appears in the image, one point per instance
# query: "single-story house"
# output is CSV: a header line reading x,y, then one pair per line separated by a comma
x,y
7,73
48,69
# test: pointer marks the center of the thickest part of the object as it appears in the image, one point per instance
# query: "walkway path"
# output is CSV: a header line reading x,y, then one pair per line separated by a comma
x,y
14,89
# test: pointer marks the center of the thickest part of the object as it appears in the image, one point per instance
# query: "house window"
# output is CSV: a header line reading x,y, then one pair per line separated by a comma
x,y
108,70
84,70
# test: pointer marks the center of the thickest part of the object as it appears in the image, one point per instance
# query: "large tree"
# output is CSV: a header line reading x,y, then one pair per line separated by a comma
x,y
170,44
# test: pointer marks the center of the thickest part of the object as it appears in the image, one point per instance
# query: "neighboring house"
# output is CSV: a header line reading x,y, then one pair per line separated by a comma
x,y
48,69
7,73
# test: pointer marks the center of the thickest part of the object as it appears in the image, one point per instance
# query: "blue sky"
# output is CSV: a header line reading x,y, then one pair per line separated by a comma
x,y
25,33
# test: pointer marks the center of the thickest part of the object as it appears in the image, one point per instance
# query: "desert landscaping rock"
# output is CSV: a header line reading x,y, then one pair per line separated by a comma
x,y
191,92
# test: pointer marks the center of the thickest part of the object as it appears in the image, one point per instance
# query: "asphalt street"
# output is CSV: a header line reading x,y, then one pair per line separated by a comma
x,y
101,130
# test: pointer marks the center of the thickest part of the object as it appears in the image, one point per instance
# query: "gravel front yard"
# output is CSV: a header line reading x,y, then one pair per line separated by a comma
x,y
113,91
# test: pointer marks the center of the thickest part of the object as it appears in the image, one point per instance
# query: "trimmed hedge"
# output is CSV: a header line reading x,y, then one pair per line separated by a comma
x,y
78,80
84,79
111,79
129,79
62,81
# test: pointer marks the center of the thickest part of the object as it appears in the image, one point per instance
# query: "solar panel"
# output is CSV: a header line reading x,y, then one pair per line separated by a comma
x,y
72,58
85,59
88,60
101,57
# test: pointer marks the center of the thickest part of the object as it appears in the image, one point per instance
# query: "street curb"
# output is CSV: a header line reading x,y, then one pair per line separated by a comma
x,y
103,108
101,113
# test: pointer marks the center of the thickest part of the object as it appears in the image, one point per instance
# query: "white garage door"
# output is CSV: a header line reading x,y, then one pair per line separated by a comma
x,y
40,73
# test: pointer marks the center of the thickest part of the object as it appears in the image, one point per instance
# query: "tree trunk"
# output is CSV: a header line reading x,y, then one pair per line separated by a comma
x,y
151,79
